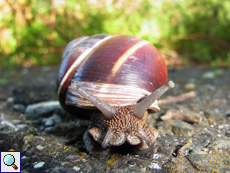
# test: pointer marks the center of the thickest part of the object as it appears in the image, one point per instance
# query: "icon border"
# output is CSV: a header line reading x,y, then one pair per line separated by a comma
x,y
10,152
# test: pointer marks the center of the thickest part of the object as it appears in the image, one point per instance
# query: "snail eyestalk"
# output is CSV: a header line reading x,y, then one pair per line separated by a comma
x,y
140,108
107,110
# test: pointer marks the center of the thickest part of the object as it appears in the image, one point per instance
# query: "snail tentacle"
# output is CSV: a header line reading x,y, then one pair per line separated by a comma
x,y
141,107
107,110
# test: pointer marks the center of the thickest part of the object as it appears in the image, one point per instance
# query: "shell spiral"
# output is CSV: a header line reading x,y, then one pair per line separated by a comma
x,y
119,70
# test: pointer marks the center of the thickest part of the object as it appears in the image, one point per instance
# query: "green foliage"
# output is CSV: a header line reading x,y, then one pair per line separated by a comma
x,y
200,32
36,32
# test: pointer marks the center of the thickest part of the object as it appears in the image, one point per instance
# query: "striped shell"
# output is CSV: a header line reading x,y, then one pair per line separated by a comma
x,y
119,70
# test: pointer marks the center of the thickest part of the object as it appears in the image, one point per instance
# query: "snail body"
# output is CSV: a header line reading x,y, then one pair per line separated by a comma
x,y
121,76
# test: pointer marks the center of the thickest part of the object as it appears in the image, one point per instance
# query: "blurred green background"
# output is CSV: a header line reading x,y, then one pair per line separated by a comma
x,y
187,32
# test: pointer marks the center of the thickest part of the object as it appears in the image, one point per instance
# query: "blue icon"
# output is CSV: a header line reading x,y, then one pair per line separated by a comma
x,y
9,160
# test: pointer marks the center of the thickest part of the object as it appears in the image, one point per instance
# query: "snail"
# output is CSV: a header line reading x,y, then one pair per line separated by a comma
x,y
121,77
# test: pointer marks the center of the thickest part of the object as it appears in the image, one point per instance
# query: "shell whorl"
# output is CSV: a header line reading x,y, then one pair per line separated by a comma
x,y
83,46
120,70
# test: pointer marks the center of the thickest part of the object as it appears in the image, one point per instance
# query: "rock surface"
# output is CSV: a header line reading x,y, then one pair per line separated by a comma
x,y
50,140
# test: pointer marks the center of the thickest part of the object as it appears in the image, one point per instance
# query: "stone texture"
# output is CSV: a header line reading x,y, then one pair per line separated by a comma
x,y
50,137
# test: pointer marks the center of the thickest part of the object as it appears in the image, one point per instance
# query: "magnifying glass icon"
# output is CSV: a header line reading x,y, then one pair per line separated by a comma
x,y
9,160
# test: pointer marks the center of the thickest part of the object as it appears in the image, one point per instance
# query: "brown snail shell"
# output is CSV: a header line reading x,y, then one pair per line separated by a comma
x,y
120,70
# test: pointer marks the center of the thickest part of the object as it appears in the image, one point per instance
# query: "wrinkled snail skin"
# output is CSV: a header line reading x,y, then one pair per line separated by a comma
x,y
121,76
